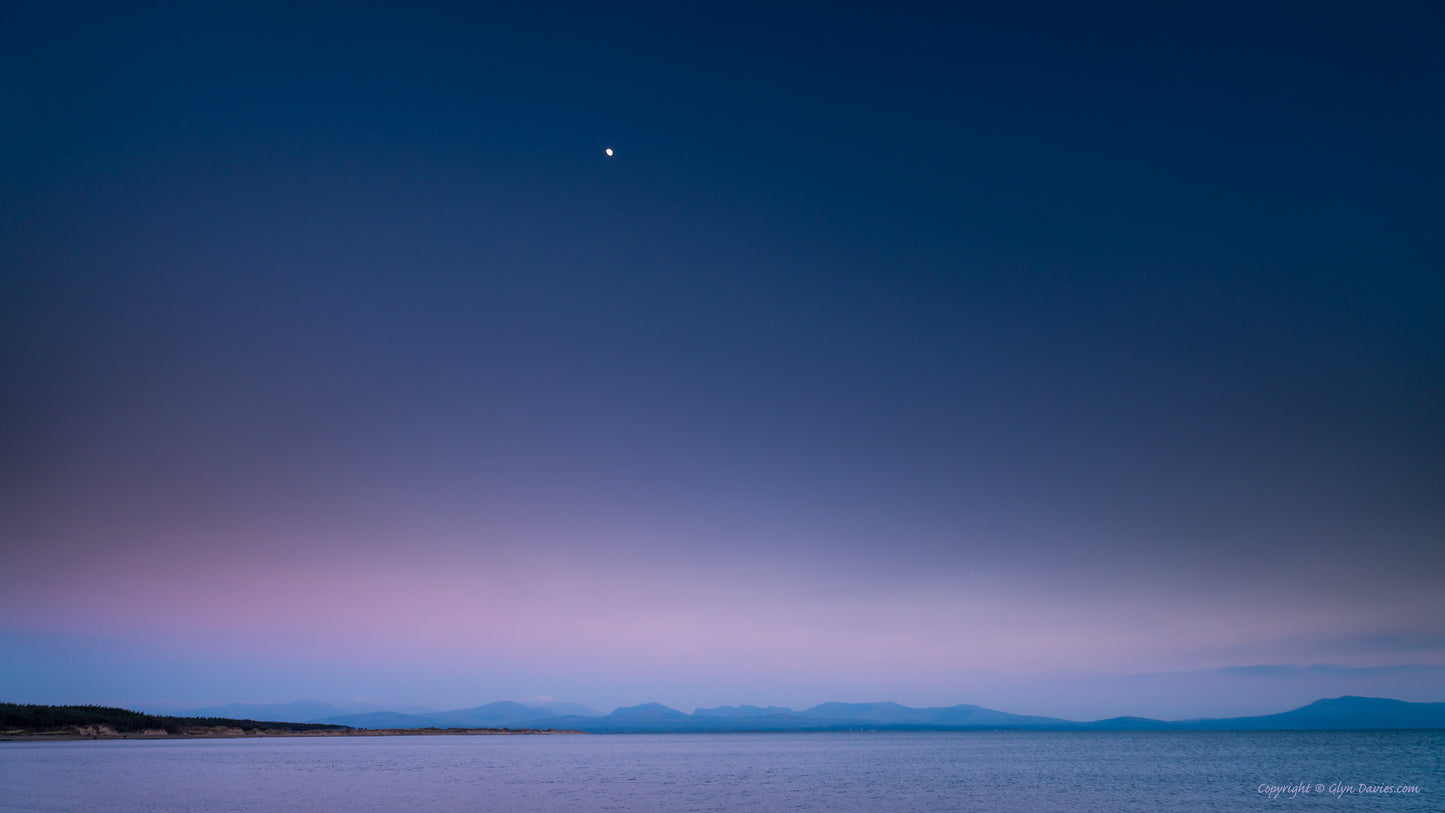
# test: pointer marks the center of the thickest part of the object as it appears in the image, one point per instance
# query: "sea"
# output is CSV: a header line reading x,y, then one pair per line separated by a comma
x,y
845,771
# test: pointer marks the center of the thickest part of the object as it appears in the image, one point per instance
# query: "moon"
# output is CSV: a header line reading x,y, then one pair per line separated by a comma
x,y
608,151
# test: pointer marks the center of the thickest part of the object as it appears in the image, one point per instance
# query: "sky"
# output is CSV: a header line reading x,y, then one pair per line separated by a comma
x,y
1065,359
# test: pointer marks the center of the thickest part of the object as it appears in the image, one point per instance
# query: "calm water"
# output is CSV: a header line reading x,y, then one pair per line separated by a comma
x,y
984,771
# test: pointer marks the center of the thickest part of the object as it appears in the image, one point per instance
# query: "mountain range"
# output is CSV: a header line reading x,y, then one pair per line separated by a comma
x,y
1336,713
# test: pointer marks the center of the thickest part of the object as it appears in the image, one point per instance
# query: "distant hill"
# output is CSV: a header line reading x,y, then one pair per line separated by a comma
x,y
648,717
301,711
1339,713
647,711
653,717
1336,713
1126,724
893,714
502,714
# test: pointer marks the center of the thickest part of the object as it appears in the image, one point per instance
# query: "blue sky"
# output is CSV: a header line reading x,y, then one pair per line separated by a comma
x,y
899,354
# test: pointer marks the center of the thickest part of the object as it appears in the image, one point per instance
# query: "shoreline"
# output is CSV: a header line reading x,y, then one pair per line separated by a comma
x,y
227,733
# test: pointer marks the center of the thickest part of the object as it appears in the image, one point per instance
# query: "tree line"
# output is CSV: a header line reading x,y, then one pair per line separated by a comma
x,y
38,718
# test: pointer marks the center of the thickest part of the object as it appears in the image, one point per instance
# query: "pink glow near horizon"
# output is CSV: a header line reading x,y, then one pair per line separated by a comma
x,y
549,609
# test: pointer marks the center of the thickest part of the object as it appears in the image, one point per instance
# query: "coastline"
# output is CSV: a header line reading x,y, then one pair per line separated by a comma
x,y
227,732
